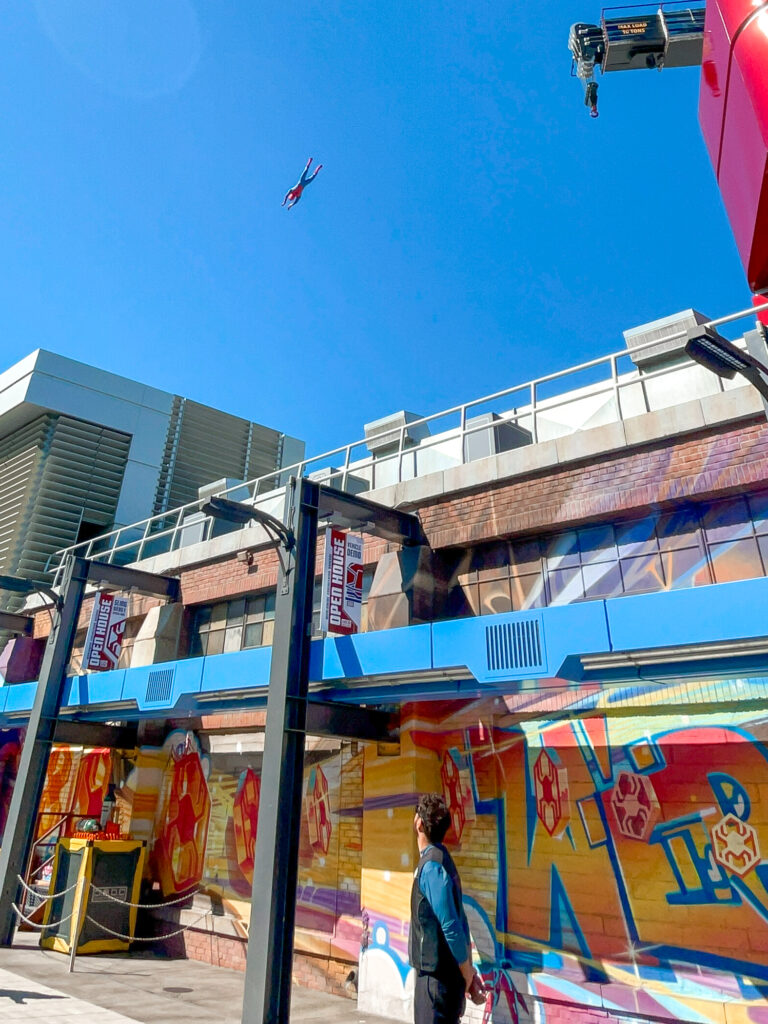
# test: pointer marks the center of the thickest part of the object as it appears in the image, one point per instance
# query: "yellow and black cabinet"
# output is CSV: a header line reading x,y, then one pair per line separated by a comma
x,y
103,868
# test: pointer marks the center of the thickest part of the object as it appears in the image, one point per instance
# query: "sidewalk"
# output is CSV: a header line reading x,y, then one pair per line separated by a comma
x,y
35,987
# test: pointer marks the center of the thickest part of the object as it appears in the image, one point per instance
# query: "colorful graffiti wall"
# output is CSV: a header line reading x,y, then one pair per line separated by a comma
x,y
200,823
614,862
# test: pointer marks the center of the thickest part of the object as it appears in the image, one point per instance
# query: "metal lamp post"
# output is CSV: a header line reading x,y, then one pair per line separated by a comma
x,y
267,995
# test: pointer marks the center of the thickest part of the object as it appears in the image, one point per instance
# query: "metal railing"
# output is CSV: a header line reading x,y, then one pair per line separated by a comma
x,y
629,394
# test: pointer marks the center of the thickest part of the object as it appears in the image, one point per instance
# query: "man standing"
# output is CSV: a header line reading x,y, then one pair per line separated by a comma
x,y
438,944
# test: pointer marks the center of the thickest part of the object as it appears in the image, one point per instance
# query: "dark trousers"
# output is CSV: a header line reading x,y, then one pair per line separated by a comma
x,y
438,1000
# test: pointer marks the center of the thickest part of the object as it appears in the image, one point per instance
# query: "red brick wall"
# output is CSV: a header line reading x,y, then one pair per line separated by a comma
x,y
321,973
695,467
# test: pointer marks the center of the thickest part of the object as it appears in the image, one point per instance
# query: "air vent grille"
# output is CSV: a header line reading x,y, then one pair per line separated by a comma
x,y
514,646
159,686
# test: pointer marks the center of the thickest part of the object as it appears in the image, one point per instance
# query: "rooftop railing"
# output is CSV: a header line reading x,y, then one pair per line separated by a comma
x,y
544,408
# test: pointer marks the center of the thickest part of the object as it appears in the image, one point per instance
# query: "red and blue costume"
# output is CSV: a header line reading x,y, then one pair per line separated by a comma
x,y
293,195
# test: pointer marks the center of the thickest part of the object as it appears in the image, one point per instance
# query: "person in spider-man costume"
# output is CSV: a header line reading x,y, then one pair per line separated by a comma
x,y
293,195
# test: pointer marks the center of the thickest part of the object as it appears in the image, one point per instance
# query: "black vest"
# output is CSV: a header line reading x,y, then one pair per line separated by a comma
x,y
427,949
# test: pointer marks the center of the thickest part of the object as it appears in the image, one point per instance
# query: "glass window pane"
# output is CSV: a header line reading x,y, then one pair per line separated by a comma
x,y
678,529
269,631
686,567
762,543
528,591
253,634
637,538
727,520
562,551
232,637
198,643
215,642
254,609
202,618
269,605
758,504
737,560
598,544
525,557
494,597
235,612
218,615
602,579
492,561
642,574
367,581
565,586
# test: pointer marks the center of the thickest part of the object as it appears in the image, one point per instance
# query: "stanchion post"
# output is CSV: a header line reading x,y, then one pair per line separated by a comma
x,y
77,916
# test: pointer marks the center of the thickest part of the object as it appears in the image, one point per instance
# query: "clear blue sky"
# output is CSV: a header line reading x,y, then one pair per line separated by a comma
x,y
472,227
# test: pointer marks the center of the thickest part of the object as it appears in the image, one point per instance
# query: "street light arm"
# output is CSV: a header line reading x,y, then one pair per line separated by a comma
x,y
21,585
238,512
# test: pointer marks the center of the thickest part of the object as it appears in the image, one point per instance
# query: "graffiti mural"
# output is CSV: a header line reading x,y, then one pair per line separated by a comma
x,y
610,862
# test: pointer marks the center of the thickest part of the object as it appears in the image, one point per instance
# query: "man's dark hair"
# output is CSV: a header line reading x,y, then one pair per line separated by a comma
x,y
435,816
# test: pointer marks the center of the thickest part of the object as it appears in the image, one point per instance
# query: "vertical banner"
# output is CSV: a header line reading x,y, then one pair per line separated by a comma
x,y
342,594
105,633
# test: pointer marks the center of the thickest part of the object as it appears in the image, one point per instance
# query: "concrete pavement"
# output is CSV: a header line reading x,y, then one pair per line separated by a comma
x,y
139,988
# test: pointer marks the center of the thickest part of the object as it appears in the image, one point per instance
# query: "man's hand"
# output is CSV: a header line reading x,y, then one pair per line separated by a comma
x,y
477,990
473,983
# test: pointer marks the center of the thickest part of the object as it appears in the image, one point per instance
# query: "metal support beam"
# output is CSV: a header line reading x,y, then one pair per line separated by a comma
x,y
20,624
22,814
269,965
353,511
325,718
118,577
96,734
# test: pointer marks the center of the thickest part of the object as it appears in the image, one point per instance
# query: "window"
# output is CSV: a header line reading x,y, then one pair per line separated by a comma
x,y
233,625
247,622
690,547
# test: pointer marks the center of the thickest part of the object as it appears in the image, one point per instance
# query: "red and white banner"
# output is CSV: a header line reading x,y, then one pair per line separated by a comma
x,y
342,594
105,633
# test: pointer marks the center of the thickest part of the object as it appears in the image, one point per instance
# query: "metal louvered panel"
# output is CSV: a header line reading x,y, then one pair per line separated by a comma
x,y
20,458
515,646
159,686
64,471
213,444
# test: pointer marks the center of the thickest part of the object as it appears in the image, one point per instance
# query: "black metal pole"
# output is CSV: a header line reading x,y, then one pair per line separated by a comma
x,y
267,996
22,814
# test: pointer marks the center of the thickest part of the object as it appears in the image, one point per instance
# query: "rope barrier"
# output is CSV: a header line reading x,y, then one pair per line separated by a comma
x,y
43,897
40,927
142,906
152,938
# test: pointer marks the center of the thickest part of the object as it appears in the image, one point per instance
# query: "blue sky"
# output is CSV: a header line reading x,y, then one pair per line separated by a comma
x,y
471,228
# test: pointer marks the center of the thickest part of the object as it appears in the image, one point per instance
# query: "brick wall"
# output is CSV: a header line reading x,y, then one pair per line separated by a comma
x,y
697,467
351,823
321,973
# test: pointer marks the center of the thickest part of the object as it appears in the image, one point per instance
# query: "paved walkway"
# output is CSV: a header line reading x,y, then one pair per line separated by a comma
x,y
35,987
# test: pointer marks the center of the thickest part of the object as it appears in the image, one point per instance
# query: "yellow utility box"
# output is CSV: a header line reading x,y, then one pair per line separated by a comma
x,y
103,876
